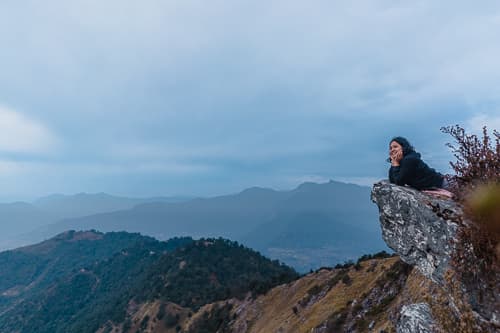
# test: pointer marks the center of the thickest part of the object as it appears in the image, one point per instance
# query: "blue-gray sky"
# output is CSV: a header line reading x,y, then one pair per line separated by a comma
x,y
159,97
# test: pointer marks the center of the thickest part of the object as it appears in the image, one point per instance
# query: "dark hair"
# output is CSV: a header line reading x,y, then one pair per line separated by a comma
x,y
407,147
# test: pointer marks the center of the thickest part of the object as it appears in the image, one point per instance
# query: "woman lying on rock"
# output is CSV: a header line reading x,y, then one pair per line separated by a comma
x,y
408,169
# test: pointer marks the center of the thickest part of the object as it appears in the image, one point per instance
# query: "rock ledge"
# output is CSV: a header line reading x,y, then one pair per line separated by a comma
x,y
420,228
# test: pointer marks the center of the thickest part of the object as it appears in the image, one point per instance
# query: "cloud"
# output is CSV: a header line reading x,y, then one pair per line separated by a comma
x,y
267,145
8,167
476,123
362,181
307,178
229,92
139,167
21,134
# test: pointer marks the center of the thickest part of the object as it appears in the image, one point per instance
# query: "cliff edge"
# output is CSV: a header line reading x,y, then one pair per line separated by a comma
x,y
420,228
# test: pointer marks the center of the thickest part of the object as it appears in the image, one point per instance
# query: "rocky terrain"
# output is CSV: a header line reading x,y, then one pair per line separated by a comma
x,y
416,291
423,230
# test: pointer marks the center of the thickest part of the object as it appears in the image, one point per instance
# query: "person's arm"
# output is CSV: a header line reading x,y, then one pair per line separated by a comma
x,y
402,174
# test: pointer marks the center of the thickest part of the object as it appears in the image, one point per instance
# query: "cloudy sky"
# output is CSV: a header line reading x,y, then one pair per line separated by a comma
x,y
159,97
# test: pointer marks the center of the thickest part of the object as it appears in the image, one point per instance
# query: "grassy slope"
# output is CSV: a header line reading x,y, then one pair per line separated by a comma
x,y
276,309
314,299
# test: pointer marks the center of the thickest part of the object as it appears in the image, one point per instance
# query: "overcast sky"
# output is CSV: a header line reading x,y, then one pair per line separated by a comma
x,y
145,98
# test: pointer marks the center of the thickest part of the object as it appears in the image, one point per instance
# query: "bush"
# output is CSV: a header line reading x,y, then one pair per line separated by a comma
x,y
171,320
144,322
346,264
477,160
346,279
337,320
161,311
314,290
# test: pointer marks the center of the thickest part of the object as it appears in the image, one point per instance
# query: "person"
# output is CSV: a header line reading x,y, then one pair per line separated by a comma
x,y
407,168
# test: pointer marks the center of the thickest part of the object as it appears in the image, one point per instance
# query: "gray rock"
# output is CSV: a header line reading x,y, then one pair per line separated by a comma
x,y
420,228
415,318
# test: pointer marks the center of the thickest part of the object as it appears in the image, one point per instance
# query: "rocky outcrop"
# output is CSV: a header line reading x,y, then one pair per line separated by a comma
x,y
423,230
420,228
416,318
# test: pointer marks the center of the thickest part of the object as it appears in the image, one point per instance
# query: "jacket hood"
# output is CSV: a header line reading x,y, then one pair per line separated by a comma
x,y
413,154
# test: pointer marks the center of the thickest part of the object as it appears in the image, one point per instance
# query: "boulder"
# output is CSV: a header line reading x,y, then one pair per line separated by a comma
x,y
415,318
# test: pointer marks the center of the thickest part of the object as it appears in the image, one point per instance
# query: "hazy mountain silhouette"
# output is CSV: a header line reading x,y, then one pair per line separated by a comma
x,y
82,204
19,218
229,216
329,210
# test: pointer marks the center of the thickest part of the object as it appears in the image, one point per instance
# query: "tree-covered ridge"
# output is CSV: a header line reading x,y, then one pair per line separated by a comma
x,y
35,266
212,269
191,273
32,274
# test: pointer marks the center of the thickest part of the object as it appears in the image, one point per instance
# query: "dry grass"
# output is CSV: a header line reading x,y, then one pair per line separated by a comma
x,y
274,311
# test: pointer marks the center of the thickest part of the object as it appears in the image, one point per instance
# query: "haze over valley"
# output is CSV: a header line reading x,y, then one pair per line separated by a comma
x,y
308,227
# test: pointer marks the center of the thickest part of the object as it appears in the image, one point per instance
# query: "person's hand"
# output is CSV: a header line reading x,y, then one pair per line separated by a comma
x,y
396,158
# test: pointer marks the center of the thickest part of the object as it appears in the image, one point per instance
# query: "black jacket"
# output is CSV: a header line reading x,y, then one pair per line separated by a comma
x,y
414,172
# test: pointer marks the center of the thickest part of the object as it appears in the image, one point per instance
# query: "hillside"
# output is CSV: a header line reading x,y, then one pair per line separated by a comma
x,y
329,300
361,297
28,271
367,296
89,293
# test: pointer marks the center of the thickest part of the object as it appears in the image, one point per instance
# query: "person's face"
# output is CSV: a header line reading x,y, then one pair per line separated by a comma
x,y
395,148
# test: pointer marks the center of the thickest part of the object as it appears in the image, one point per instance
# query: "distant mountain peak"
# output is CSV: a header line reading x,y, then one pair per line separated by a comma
x,y
309,185
256,189
66,236
59,196
72,235
85,194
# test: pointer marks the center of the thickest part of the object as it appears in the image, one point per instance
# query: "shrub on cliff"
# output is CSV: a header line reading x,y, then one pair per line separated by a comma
x,y
477,187
477,180
477,160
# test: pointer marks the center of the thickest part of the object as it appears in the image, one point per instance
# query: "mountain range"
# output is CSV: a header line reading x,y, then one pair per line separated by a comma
x,y
308,227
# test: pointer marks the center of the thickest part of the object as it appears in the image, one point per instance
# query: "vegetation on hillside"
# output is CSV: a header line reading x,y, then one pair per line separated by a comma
x,y
182,271
477,160
68,284
212,269
32,268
